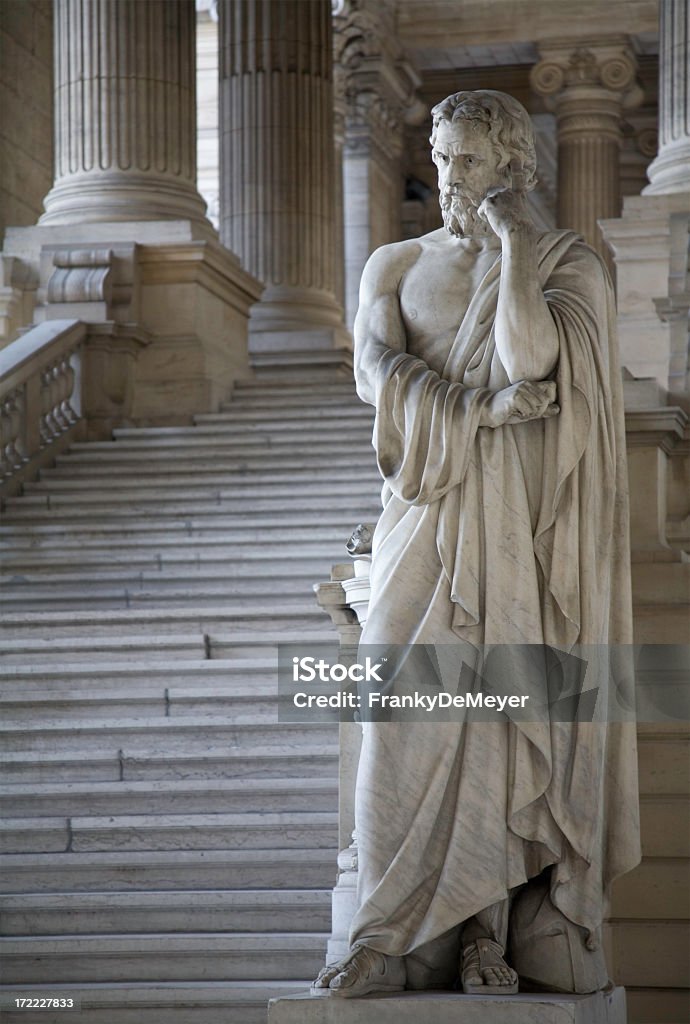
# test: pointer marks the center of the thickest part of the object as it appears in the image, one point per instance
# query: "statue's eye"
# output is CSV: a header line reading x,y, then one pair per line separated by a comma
x,y
441,156
469,161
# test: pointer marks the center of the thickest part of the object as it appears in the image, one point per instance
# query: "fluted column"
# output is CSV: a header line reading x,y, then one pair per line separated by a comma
x,y
125,119
588,88
277,207
670,171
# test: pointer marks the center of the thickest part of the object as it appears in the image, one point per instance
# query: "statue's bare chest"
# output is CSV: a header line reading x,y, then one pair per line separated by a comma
x,y
434,295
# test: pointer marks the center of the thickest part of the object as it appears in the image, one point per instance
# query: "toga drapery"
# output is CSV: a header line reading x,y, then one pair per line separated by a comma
x,y
513,535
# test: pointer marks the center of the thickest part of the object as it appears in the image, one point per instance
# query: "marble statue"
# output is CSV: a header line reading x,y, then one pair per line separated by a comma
x,y
488,348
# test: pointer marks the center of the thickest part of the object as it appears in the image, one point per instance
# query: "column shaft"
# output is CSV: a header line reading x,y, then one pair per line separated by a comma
x,y
589,142
125,118
670,171
277,180
588,89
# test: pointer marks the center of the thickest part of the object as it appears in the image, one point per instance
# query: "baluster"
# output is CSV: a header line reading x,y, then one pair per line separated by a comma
x,y
15,449
61,395
69,377
7,427
47,430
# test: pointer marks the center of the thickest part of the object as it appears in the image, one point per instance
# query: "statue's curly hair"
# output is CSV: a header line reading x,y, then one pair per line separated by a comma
x,y
510,126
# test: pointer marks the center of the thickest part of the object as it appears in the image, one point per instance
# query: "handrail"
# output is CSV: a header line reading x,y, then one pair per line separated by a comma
x,y
40,395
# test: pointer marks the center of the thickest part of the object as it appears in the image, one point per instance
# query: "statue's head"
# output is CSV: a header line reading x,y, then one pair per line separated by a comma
x,y
480,140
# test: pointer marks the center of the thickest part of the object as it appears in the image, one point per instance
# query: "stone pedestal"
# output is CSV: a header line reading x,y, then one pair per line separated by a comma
x,y
277,158
166,310
650,240
451,1008
650,243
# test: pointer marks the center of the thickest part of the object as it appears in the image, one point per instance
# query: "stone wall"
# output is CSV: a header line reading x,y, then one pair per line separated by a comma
x,y
26,102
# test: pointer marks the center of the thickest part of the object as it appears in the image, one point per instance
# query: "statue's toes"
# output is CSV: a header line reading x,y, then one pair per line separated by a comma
x,y
325,976
344,979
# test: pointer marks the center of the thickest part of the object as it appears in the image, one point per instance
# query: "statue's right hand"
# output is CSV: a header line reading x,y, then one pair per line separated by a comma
x,y
526,400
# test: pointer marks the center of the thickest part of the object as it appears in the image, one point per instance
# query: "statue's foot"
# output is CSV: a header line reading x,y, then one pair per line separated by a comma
x,y
484,971
362,972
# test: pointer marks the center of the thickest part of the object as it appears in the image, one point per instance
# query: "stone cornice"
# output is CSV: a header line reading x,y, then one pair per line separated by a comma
x,y
207,263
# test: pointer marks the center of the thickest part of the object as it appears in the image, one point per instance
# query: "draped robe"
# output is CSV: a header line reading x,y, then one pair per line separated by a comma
x,y
513,535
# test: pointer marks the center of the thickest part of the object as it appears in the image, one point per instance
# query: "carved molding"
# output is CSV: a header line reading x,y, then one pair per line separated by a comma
x,y
375,85
81,275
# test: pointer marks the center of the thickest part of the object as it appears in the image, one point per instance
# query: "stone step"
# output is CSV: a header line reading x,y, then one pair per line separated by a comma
x,y
98,508
248,479
171,736
313,405
240,1002
76,677
258,388
197,551
162,956
270,418
119,833
217,441
194,557
319,367
158,796
132,647
219,910
261,432
27,597
290,619
258,461
39,651
119,489
174,764
225,529
230,701
260,576
159,870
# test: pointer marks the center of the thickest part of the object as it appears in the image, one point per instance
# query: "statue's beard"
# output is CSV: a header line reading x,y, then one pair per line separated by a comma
x,y
460,217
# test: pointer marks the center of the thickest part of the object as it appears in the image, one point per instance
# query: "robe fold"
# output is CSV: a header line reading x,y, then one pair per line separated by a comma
x,y
509,536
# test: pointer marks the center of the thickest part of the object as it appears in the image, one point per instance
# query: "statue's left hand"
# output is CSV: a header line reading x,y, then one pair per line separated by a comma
x,y
506,209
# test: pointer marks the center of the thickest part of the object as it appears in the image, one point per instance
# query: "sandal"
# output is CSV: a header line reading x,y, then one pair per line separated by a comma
x,y
479,956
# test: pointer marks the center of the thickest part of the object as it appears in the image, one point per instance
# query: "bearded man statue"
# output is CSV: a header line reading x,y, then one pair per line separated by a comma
x,y
486,849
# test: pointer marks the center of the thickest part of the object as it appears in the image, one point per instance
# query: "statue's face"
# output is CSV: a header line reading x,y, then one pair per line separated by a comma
x,y
467,164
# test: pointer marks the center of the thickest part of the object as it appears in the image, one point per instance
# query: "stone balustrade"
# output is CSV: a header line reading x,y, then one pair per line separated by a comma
x,y
40,398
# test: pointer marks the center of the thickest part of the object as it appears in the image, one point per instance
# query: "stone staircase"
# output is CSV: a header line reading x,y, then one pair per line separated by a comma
x,y
169,845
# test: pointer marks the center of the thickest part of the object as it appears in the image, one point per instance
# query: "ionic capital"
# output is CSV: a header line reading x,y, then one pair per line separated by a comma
x,y
603,70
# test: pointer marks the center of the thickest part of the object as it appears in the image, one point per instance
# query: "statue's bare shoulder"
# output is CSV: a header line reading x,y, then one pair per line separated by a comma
x,y
388,265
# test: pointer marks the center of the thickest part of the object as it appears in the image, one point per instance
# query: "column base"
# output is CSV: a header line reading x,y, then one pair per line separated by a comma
x,y
291,319
670,171
606,1007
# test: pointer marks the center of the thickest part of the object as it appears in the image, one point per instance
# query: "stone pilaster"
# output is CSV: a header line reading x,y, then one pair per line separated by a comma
x,y
588,88
670,172
125,119
376,87
277,165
